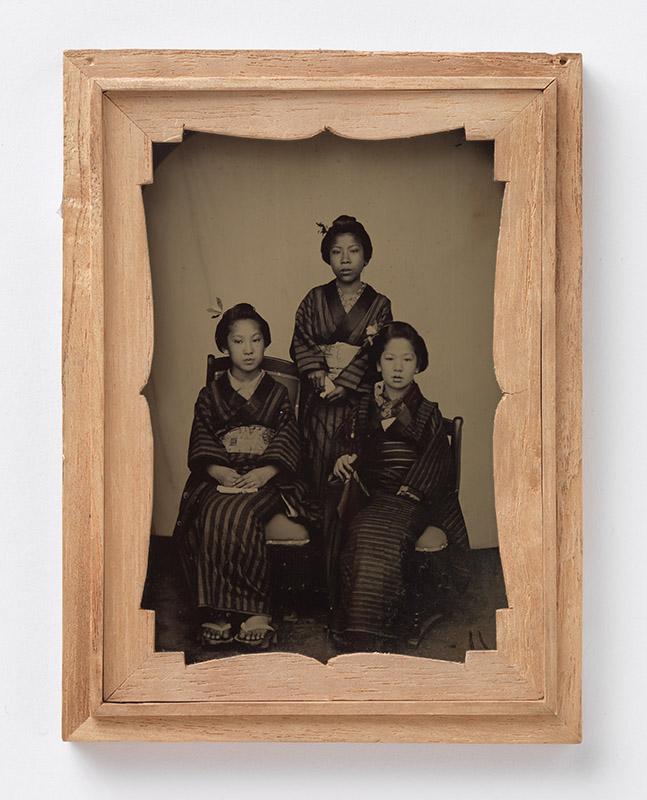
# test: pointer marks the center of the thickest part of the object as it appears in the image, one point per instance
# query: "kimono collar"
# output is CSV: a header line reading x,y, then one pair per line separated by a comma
x,y
231,403
245,389
386,407
348,301
345,322
402,410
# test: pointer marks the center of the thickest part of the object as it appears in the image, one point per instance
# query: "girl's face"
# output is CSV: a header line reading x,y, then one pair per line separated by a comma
x,y
245,346
347,258
398,364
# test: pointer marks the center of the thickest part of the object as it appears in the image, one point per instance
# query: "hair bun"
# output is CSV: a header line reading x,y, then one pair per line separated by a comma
x,y
345,224
234,314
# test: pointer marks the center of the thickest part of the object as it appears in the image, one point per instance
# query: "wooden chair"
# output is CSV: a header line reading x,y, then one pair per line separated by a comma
x,y
288,540
429,575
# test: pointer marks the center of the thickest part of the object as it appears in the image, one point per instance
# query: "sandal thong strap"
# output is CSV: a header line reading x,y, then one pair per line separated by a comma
x,y
263,628
268,633
218,627
209,629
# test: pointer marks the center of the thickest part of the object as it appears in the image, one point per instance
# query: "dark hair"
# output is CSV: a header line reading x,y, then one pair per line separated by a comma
x,y
346,224
235,314
400,330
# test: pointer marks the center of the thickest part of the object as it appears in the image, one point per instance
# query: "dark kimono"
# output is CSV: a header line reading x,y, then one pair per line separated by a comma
x,y
410,457
220,537
321,324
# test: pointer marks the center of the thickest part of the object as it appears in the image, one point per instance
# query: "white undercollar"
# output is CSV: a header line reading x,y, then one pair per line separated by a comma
x,y
247,388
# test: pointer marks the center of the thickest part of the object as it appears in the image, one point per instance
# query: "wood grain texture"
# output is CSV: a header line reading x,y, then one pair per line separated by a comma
x,y
516,671
360,115
519,160
82,385
370,728
128,337
485,699
282,677
345,83
112,710
204,70
568,411
548,390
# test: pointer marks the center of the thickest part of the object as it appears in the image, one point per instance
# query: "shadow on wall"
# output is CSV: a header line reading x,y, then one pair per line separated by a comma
x,y
235,219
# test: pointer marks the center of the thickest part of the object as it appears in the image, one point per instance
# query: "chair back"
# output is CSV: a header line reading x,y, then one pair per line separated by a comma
x,y
281,370
454,430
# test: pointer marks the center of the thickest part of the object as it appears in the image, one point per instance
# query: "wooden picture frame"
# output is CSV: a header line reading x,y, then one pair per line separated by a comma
x,y
117,103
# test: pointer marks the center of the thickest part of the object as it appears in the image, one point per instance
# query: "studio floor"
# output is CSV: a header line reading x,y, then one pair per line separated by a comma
x,y
469,624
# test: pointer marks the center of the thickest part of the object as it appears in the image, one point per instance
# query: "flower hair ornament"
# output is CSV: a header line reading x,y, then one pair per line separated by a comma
x,y
216,313
371,333
323,230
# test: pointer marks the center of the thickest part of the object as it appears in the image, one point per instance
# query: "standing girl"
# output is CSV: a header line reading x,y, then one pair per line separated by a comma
x,y
330,348
244,456
401,454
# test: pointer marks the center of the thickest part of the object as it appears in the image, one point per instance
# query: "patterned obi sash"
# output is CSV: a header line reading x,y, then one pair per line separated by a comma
x,y
248,439
338,356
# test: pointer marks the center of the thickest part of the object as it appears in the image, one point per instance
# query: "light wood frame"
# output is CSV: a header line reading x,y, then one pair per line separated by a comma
x,y
114,685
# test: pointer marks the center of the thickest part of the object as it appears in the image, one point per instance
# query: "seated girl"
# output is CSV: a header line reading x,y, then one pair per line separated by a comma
x,y
244,457
400,455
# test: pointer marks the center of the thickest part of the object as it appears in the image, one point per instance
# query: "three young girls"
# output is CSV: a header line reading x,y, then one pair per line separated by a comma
x,y
245,455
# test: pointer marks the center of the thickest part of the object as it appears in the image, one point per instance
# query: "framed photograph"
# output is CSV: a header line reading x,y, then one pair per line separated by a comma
x,y
322,396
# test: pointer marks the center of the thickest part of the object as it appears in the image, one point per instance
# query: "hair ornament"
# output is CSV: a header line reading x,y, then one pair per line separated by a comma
x,y
323,230
371,333
216,313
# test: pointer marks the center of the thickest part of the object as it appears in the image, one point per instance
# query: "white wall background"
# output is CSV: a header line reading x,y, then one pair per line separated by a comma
x,y
33,761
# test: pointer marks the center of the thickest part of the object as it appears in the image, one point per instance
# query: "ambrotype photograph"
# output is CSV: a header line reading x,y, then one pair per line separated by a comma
x,y
322,396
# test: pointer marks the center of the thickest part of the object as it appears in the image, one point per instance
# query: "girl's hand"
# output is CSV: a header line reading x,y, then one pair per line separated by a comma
x,y
337,393
226,476
343,467
256,478
317,379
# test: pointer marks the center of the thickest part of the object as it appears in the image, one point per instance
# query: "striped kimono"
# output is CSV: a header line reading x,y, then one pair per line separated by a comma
x,y
220,537
411,457
326,337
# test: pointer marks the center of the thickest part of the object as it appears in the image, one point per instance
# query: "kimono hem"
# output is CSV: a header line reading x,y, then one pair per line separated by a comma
x,y
321,323
220,538
412,454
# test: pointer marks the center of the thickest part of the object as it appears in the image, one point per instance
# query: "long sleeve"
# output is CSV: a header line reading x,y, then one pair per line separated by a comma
x,y
354,374
205,447
429,473
284,450
304,350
